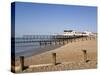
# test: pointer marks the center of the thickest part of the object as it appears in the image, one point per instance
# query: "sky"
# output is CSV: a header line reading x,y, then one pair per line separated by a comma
x,y
44,19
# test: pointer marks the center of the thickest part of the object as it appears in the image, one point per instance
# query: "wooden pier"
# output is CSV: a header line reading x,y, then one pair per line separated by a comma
x,y
48,39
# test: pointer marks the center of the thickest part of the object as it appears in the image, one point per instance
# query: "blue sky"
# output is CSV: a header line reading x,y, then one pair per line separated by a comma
x,y
36,18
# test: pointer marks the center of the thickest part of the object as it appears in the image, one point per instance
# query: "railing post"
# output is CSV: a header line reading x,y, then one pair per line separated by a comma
x,y
22,63
54,58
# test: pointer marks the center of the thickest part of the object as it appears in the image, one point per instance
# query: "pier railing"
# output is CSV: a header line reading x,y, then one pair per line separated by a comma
x,y
45,39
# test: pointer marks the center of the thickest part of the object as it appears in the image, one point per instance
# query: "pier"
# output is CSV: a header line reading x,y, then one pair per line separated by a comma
x,y
48,39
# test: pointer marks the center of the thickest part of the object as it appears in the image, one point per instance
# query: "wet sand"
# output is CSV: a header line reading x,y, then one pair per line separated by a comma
x,y
37,51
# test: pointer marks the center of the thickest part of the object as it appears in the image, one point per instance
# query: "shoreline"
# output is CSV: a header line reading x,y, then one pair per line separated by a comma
x,y
71,52
37,51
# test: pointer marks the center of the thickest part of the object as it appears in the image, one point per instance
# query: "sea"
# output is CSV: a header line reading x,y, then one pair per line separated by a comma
x,y
29,46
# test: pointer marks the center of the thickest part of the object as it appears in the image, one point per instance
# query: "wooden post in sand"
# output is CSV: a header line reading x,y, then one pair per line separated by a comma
x,y
22,63
85,55
54,58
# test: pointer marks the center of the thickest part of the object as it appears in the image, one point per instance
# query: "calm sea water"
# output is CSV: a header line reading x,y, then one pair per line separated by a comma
x,y
28,48
22,47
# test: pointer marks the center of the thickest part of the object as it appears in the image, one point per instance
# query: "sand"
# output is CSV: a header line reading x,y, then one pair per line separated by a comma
x,y
68,57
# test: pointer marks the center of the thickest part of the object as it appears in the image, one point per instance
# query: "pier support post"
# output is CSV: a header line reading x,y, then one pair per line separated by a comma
x,y
67,40
22,63
75,39
86,38
40,43
55,42
59,42
71,40
84,55
63,42
54,58
50,43
82,38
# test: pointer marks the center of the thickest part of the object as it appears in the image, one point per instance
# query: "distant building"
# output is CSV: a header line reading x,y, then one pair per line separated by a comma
x,y
69,32
74,33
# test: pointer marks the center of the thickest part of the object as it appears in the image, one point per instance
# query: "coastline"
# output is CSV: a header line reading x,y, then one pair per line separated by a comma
x,y
70,53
